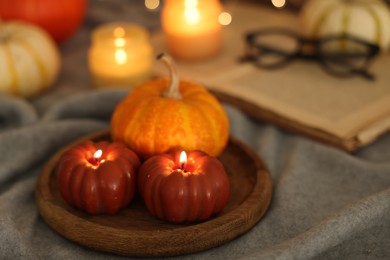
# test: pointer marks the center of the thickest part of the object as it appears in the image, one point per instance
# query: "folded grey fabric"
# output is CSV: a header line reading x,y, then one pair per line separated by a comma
x,y
15,112
326,204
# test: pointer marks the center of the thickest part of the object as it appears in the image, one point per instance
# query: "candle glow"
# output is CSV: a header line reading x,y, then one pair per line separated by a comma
x,y
192,29
120,55
95,160
191,11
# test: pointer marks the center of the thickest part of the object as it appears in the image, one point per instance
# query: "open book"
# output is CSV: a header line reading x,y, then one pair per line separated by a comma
x,y
347,113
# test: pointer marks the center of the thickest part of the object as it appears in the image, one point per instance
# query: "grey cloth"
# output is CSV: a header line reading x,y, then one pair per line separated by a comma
x,y
326,204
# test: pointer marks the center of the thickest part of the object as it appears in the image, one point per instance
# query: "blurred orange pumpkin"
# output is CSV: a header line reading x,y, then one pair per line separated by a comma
x,y
60,18
159,115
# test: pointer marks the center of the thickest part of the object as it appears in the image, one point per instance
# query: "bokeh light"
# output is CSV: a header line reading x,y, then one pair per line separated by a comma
x,y
278,3
225,18
152,4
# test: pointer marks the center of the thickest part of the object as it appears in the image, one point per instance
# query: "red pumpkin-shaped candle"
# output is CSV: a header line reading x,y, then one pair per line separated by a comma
x,y
99,178
183,190
162,114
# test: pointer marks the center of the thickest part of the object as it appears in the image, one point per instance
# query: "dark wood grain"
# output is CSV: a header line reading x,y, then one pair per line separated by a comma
x,y
134,232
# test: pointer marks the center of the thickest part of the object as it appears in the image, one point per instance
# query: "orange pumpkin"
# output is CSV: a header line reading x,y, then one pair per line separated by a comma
x,y
161,114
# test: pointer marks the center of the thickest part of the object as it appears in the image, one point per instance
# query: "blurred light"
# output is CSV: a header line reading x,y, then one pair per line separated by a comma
x,y
119,42
152,4
225,18
119,32
192,16
278,3
191,11
191,3
120,56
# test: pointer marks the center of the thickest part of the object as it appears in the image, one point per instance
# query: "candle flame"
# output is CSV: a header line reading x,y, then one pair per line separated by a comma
x,y
183,158
98,154
191,3
191,12
119,32
120,56
119,42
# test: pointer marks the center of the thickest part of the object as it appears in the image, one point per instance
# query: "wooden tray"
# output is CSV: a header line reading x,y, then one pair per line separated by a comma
x,y
134,232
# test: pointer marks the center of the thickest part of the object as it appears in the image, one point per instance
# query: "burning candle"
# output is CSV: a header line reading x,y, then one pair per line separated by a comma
x,y
191,28
120,55
98,178
183,187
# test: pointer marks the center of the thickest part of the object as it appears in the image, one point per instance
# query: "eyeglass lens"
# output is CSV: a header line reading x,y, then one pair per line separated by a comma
x,y
343,56
274,49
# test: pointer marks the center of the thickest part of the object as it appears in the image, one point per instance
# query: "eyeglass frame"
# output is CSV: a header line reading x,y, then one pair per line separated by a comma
x,y
315,55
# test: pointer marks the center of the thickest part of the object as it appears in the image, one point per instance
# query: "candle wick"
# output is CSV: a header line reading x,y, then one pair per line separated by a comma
x,y
94,161
173,88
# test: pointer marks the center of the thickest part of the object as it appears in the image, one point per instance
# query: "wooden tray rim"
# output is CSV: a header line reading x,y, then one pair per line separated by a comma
x,y
231,221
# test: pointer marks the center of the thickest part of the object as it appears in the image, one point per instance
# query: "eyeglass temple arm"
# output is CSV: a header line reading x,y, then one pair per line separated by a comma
x,y
364,73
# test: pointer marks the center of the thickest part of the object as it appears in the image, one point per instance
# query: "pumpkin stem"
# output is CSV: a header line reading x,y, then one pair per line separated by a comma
x,y
173,87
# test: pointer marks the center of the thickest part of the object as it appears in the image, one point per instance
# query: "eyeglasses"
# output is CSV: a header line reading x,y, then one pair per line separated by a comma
x,y
339,55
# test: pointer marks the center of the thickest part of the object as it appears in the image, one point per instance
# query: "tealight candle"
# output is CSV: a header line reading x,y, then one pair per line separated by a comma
x,y
183,187
120,55
98,178
191,28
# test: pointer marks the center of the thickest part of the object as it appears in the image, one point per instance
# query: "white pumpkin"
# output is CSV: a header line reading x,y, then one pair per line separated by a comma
x,y
366,19
29,59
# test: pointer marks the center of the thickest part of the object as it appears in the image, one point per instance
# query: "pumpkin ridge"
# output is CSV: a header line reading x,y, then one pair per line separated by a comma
x,y
217,126
207,196
156,123
195,211
323,17
128,165
11,66
375,17
76,182
134,112
38,61
188,141
345,20
190,90
156,196
213,129
143,129
174,111
87,192
190,137
98,206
